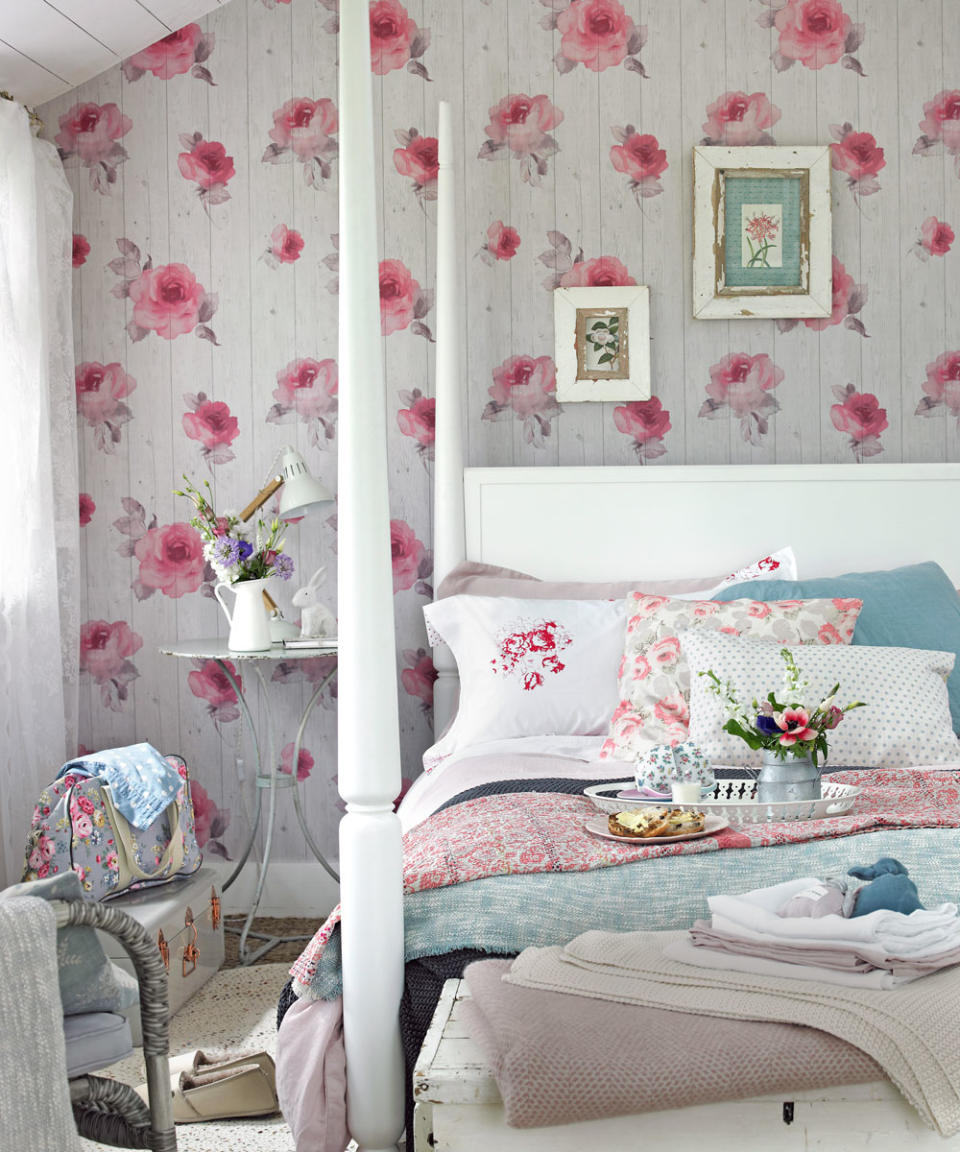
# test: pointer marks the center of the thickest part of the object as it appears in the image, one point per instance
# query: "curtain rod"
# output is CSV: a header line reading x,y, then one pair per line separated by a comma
x,y
36,124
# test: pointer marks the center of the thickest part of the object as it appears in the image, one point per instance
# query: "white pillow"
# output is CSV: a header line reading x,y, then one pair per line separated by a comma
x,y
780,565
906,721
528,667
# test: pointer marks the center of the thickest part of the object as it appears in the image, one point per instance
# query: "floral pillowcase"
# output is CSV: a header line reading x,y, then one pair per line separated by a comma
x,y
654,679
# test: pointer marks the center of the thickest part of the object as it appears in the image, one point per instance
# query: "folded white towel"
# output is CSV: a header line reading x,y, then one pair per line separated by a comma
x,y
920,933
688,953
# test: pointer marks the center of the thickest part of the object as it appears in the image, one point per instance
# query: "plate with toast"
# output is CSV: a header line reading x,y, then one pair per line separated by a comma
x,y
655,825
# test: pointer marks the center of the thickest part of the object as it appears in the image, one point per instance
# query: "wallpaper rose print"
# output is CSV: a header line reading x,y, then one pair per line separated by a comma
x,y
205,266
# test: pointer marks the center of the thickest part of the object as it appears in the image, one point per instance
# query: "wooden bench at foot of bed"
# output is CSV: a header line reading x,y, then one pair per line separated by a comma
x,y
458,1109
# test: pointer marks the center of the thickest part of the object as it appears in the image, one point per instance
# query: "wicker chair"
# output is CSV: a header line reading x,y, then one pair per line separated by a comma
x,y
107,1110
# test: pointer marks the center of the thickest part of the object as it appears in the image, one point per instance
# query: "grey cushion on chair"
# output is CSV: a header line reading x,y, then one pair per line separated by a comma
x,y
94,1040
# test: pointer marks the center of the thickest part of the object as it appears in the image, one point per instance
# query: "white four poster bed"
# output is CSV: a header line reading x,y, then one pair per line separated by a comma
x,y
561,523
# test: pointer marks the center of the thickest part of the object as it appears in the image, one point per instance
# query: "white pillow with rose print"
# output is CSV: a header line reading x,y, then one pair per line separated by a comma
x,y
654,680
528,667
906,721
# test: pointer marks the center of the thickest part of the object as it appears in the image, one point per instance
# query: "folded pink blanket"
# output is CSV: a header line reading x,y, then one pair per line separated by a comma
x,y
558,1058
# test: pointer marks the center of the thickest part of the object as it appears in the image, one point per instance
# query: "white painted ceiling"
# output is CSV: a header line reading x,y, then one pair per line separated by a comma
x,y
50,46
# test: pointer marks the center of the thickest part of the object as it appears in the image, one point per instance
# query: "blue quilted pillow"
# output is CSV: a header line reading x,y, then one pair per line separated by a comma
x,y
912,607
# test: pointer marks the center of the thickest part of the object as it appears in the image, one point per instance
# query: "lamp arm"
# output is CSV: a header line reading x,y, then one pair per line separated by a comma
x,y
261,498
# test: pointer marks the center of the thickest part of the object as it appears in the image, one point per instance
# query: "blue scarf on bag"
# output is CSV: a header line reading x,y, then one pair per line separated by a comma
x,y
142,782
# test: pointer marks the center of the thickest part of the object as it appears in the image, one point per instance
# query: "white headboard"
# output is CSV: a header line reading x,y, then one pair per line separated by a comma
x,y
615,523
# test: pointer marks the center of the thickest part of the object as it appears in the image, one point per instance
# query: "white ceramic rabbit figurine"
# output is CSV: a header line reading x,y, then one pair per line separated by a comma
x,y
316,619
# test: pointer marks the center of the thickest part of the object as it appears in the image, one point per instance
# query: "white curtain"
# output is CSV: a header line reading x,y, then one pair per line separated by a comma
x,y
39,497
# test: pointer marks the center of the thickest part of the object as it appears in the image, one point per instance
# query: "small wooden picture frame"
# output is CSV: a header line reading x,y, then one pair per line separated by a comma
x,y
602,343
761,232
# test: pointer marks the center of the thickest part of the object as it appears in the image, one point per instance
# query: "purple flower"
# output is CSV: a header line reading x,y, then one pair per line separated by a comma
x,y
767,725
226,551
283,566
244,549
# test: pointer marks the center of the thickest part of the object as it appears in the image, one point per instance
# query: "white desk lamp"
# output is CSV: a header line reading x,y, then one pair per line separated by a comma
x,y
301,493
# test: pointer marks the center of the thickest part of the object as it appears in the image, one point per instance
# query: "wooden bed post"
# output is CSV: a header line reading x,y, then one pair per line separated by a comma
x,y
371,859
448,534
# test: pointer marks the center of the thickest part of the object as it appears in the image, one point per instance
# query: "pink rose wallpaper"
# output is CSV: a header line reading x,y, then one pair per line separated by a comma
x,y
205,256
740,386
859,415
738,120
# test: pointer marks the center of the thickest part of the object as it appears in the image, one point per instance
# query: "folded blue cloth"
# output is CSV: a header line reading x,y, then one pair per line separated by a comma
x,y
142,782
889,888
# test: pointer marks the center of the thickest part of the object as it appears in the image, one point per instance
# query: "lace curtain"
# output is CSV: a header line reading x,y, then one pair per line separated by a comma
x,y
39,520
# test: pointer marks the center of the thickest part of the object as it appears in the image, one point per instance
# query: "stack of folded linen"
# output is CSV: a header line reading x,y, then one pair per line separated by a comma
x,y
748,933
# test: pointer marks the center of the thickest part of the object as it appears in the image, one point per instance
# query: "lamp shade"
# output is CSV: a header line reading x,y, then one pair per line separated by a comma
x,y
300,491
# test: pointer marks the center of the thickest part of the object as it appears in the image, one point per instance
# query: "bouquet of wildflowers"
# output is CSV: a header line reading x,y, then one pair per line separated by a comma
x,y
786,728
226,545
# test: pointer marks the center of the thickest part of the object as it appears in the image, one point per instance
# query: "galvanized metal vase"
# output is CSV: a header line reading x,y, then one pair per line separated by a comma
x,y
794,778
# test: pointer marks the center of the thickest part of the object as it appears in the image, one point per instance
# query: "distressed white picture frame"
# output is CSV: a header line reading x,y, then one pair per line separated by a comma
x,y
812,294
580,375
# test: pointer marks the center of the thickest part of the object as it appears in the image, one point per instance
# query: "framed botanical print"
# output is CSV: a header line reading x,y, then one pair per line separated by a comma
x,y
602,343
761,232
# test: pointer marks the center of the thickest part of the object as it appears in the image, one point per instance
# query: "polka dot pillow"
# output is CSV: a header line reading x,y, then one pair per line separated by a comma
x,y
654,681
906,722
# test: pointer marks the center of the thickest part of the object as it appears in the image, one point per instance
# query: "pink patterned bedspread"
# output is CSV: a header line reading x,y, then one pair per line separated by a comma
x,y
530,832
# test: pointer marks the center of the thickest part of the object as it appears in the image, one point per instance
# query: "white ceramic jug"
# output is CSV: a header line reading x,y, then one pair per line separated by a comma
x,y
249,624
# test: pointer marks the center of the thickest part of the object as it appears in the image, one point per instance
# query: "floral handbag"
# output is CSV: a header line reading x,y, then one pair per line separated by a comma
x,y
76,826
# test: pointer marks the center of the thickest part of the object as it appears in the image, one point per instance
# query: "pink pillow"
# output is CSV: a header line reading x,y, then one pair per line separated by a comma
x,y
654,678
474,579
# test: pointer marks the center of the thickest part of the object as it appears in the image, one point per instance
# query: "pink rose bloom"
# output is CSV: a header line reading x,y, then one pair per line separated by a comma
x,y
419,680
407,552
603,272
640,157
167,300
90,131
672,709
502,240
860,415
828,634
211,683
211,424
391,34
419,420
81,249
85,804
521,122
105,648
595,33
82,825
208,820
303,125
737,119
399,293
526,384
305,762
942,384
941,119
812,31
642,419
286,244
759,610
100,388
665,652
171,559
207,163
741,380
857,154
309,387
937,236
842,290
171,56
87,509
418,160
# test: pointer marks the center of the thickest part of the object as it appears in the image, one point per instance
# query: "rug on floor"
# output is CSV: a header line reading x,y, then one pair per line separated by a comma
x,y
237,1009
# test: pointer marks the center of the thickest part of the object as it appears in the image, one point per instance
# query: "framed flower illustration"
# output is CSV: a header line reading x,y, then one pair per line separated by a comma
x,y
761,232
602,343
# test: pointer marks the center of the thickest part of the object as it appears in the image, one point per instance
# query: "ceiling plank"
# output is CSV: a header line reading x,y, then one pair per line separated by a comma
x,y
176,13
26,80
54,42
117,24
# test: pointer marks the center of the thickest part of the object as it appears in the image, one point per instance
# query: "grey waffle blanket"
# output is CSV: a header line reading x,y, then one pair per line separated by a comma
x,y
910,1031
33,1059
